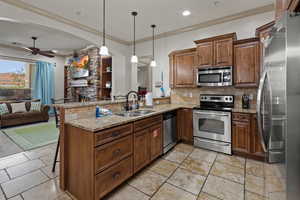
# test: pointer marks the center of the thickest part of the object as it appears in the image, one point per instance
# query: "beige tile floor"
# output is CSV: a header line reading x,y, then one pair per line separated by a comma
x,y
185,173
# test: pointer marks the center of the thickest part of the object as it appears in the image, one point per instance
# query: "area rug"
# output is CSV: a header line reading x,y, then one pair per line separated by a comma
x,y
33,136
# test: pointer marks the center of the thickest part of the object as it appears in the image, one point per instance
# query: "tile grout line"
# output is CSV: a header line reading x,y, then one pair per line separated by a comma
x,y
207,176
179,164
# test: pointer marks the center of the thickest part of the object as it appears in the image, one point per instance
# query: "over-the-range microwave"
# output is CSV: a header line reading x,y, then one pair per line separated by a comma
x,y
215,76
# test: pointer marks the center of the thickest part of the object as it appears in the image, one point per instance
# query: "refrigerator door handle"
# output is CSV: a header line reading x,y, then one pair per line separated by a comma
x,y
258,109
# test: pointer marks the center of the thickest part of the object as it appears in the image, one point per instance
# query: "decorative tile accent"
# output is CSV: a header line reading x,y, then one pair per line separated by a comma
x,y
127,192
203,155
24,168
204,196
147,182
231,160
168,192
164,167
255,184
196,166
255,168
20,184
223,189
186,180
228,172
175,156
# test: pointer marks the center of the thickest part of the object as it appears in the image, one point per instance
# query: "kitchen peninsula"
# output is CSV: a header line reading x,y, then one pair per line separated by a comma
x,y
97,155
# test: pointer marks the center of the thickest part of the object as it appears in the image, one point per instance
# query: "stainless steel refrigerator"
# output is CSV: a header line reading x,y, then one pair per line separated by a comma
x,y
278,108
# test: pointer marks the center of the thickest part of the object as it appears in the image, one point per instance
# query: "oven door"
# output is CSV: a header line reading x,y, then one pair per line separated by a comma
x,y
214,125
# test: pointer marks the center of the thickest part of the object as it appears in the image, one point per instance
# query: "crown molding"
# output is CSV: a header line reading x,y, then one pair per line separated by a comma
x,y
61,19
240,15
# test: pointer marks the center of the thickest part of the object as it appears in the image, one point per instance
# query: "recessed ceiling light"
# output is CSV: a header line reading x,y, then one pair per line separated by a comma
x,y
186,13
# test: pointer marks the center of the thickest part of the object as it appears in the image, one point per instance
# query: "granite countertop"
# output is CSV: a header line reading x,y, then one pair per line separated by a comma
x,y
86,104
94,125
241,110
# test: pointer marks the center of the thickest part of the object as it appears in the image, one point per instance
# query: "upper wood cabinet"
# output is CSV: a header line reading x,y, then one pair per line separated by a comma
x,y
247,62
223,52
182,68
280,8
215,51
205,54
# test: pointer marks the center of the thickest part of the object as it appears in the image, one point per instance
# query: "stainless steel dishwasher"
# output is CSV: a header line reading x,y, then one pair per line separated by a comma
x,y
170,131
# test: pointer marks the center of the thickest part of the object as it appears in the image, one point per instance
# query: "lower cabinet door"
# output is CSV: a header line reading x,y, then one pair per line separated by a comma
x,y
141,149
241,136
156,141
109,179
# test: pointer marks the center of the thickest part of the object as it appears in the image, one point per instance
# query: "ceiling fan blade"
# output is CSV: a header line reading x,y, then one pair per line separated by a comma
x,y
46,54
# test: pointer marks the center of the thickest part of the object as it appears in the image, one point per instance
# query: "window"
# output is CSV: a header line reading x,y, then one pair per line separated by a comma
x,y
15,74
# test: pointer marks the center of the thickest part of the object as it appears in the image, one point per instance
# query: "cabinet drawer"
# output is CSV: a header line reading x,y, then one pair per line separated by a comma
x,y
112,177
148,122
111,153
241,117
106,136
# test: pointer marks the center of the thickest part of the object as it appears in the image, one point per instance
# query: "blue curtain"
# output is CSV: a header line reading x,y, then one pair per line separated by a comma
x,y
43,83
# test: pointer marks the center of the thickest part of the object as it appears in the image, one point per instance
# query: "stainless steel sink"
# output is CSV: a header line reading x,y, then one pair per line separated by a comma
x,y
135,113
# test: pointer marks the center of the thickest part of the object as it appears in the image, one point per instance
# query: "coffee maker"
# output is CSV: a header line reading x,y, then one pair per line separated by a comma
x,y
245,101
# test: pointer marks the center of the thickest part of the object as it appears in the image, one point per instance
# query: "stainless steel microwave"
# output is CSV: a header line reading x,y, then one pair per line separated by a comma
x,y
221,76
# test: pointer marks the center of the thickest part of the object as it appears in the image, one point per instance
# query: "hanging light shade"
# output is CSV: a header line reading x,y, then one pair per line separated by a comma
x,y
134,58
103,49
153,62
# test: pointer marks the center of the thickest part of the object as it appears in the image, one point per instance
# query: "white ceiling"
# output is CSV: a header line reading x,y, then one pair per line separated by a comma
x,y
165,13
47,38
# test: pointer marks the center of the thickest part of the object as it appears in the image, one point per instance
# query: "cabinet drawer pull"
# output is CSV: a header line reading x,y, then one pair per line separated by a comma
x,y
116,152
116,175
115,134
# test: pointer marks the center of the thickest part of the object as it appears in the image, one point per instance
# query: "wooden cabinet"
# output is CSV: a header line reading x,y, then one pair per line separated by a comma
x,y
223,54
182,68
156,141
247,62
245,139
240,136
205,54
141,149
185,125
256,147
215,51
148,141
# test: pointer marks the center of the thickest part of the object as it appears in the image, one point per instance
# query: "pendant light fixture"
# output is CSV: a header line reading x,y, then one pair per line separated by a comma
x,y
104,49
134,58
153,62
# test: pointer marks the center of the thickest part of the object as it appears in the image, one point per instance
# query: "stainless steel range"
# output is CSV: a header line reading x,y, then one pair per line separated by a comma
x,y
212,123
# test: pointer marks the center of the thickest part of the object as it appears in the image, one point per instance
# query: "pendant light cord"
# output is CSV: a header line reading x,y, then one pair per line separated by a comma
x,y
133,34
153,26
103,22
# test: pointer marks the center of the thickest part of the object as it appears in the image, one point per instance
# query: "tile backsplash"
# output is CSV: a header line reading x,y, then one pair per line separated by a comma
x,y
192,95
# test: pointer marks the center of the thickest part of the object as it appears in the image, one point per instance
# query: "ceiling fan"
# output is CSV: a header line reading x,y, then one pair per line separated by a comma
x,y
35,51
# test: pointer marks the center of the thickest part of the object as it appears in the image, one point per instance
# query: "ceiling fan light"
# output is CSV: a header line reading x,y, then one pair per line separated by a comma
x,y
153,63
104,51
134,59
